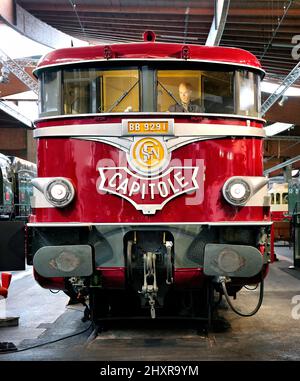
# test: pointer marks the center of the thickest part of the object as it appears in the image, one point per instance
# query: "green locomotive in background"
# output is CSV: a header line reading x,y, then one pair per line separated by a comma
x,y
15,187
15,192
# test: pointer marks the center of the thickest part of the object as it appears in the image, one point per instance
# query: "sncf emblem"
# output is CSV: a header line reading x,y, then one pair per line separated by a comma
x,y
150,153
148,156
151,181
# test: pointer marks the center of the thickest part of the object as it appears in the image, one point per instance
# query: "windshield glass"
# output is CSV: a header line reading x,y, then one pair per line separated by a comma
x,y
92,91
195,91
150,88
248,94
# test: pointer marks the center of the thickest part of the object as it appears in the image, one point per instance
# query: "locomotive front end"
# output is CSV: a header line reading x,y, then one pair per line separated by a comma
x,y
150,193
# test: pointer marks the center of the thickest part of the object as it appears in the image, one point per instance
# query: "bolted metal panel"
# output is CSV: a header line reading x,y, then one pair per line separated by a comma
x,y
232,260
64,261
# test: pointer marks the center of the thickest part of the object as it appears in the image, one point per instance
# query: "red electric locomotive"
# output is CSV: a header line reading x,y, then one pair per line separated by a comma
x,y
150,193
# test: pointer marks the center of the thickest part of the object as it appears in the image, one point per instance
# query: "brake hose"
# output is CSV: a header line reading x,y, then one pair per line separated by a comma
x,y
260,300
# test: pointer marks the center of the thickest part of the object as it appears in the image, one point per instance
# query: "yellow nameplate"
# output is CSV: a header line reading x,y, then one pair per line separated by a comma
x,y
148,127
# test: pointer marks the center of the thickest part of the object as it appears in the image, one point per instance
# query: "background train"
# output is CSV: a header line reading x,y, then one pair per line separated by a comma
x,y
279,211
15,192
15,187
150,195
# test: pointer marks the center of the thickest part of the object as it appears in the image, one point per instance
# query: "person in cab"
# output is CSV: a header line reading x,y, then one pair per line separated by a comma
x,y
186,103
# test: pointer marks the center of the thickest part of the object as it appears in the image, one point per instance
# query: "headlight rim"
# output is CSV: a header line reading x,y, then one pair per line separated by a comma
x,y
70,192
228,196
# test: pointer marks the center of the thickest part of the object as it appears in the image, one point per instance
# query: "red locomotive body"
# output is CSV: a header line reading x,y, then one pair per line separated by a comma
x,y
144,198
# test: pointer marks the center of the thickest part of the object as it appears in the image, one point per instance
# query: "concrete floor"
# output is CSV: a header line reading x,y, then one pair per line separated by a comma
x,y
272,334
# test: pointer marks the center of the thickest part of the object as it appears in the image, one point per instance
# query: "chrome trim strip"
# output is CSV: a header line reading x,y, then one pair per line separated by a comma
x,y
146,59
180,129
71,224
120,143
163,114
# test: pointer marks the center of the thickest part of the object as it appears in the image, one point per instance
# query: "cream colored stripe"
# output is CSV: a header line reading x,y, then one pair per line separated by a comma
x,y
180,129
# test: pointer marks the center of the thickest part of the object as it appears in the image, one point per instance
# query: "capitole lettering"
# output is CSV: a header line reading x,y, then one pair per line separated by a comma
x,y
163,188
149,193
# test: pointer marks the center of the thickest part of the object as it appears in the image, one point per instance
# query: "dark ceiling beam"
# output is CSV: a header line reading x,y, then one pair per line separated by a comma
x,y
259,35
205,10
124,32
31,7
139,34
198,21
279,57
255,12
116,28
113,37
278,61
243,44
288,64
239,24
256,51
99,37
262,21
126,17
276,69
258,39
62,18
256,29
141,23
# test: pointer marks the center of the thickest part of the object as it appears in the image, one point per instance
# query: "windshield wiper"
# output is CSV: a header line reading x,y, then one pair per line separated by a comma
x,y
169,92
119,100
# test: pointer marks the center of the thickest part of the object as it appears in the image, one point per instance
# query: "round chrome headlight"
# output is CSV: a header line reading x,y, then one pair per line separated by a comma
x,y
59,192
237,191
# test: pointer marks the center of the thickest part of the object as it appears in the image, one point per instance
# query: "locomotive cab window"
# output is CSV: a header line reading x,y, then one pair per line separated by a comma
x,y
79,91
247,93
218,92
120,91
277,199
195,91
272,199
89,90
94,91
149,88
50,97
178,91
285,198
